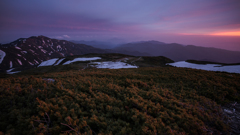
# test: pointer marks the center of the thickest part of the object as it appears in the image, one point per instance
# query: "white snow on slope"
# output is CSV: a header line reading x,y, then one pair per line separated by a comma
x,y
44,51
36,61
48,62
18,48
19,61
31,50
10,64
9,71
112,65
30,63
2,55
59,61
81,59
209,67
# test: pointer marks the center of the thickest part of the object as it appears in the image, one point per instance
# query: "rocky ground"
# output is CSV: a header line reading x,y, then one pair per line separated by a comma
x,y
232,111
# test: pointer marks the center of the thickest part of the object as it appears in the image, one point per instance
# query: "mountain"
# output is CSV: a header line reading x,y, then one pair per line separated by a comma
x,y
178,52
97,44
33,50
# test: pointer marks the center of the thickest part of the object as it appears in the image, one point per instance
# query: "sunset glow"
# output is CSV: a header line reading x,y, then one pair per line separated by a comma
x,y
237,33
129,21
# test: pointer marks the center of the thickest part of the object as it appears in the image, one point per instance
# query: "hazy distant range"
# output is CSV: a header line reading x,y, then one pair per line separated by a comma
x,y
174,51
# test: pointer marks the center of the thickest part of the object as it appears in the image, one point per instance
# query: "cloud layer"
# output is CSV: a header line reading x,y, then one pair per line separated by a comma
x,y
124,19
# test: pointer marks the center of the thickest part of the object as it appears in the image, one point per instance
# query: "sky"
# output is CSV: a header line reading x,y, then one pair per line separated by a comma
x,y
208,23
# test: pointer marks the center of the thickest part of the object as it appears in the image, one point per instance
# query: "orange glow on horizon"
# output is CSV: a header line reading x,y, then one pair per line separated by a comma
x,y
236,33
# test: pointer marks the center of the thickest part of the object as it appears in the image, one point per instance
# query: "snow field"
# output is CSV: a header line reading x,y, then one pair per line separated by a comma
x,y
112,65
209,67
81,59
48,62
59,61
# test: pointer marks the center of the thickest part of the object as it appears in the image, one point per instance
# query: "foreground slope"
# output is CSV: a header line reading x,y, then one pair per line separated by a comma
x,y
162,100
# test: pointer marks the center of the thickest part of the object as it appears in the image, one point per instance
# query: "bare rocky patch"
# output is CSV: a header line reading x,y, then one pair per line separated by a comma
x,y
232,117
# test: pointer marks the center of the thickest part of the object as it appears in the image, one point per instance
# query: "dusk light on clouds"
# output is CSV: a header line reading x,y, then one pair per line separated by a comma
x,y
209,23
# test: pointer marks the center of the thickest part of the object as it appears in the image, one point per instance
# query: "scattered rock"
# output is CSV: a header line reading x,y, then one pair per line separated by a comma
x,y
232,112
49,80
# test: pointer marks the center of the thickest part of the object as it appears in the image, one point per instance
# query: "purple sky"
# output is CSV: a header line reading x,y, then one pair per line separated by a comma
x,y
212,23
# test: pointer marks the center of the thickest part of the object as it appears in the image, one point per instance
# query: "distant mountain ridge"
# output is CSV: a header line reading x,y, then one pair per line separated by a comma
x,y
96,44
178,52
33,50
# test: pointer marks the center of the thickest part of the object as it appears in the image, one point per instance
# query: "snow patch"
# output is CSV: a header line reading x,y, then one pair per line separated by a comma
x,y
31,50
59,48
36,61
2,55
81,59
19,61
11,65
19,55
13,72
62,54
9,71
59,61
209,67
112,65
40,47
48,62
50,53
44,51
30,63
23,52
18,48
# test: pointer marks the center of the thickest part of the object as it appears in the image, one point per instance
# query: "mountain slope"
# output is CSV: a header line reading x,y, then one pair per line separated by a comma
x,y
178,52
32,51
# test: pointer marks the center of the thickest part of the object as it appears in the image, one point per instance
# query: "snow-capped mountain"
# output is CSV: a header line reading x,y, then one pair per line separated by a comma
x,y
33,50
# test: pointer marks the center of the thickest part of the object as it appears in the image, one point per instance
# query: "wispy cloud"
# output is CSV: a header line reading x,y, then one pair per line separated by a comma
x,y
66,36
